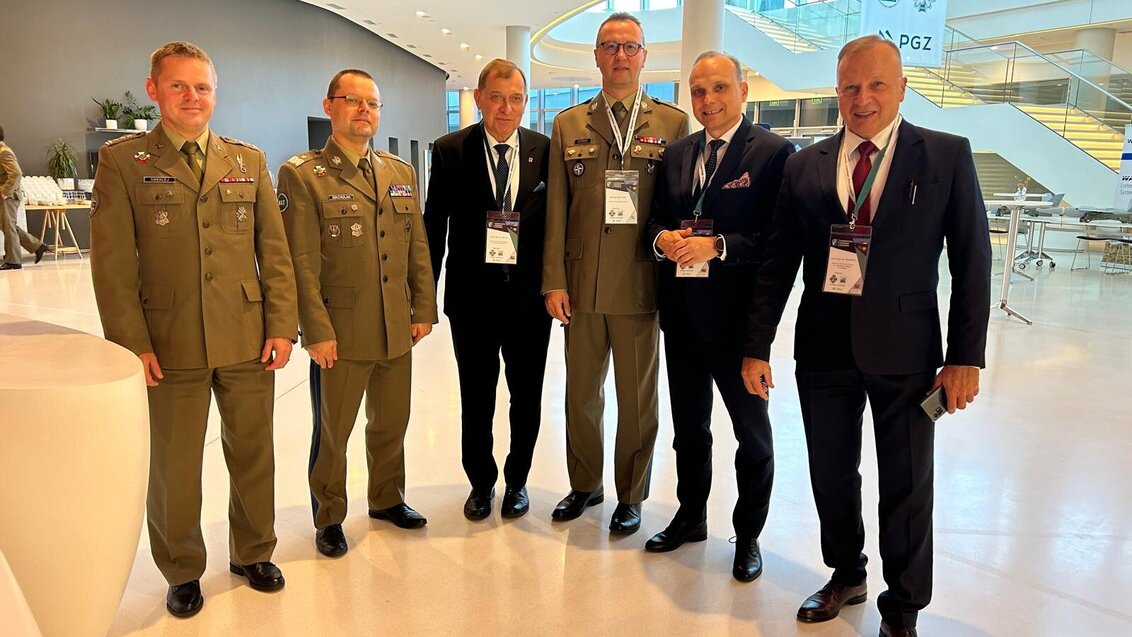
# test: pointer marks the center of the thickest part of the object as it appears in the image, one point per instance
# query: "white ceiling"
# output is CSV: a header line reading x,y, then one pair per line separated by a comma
x,y
482,26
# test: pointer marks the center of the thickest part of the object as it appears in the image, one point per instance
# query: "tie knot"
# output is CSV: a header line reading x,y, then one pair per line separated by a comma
x,y
866,148
363,163
715,144
501,150
190,148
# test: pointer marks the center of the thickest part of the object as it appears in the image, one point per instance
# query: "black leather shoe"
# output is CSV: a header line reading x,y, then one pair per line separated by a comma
x,y
748,559
825,604
184,600
888,630
40,251
478,504
402,515
262,576
626,518
678,532
516,503
576,502
10,266
330,541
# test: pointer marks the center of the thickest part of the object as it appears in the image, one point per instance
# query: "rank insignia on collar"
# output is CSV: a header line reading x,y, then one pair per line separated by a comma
x,y
336,160
333,230
400,190
161,217
142,157
356,230
660,141
579,169
159,146
319,171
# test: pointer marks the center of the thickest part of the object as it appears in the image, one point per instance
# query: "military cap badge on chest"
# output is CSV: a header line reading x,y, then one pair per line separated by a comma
x,y
579,169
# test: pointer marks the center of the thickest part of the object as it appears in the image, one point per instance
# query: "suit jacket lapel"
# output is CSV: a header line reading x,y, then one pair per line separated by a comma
x,y
528,176
909,155
688,174
479,177
349,173
827,174
169,160
725,171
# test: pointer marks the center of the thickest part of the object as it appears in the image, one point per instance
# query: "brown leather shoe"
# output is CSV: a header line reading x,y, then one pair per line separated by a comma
x,y
888,630
825,604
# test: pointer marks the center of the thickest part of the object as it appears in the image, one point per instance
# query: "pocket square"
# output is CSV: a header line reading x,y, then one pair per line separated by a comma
x,y
540,187
741,182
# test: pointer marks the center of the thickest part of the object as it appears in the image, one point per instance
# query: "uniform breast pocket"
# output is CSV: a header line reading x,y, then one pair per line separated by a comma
x,y
161,210
582,164
237,207
402,217
343,224
647,158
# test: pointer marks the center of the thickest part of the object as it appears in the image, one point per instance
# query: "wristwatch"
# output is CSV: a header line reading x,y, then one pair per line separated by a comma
x,y
719,245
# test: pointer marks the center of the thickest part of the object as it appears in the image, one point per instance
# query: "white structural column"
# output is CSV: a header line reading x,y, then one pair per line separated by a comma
x,y
702,31
1098,40
467,107
519,52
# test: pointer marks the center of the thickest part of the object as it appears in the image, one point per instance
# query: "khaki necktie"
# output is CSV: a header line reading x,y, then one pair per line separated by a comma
x,y
619,112
189,150
367,171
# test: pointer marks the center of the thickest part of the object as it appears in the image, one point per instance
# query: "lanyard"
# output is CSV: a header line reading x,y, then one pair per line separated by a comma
x,y
623,143
866,187
701,169
510,165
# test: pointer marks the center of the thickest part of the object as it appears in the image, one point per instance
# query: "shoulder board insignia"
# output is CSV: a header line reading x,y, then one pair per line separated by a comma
x,y
302,158
388,155
119,140
238,142
668,104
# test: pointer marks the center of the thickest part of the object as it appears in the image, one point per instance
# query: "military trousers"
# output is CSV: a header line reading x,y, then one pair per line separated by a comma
x,y
14,236
336,395
178,417
633,340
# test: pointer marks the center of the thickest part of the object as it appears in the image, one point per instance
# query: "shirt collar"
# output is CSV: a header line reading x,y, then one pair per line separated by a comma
x,y
179,141
627,102
727,135
512,141
880,140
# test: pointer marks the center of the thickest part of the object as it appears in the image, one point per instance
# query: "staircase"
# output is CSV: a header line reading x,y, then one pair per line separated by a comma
x,y
1082,130
788,39
996,174
941,92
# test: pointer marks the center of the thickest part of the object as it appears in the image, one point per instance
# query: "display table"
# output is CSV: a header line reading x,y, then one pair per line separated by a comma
x,y
73,471
56,217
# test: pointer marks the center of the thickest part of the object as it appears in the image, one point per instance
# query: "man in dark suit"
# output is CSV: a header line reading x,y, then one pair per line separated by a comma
x,y
882,340
725,180
493,300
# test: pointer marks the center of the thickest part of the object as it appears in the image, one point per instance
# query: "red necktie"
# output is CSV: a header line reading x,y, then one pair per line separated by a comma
x,y
860,174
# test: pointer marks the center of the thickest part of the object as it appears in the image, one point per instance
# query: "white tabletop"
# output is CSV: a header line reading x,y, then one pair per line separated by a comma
x,y
43,356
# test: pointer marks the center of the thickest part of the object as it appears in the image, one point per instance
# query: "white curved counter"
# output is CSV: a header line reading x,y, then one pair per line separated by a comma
x,y
73,471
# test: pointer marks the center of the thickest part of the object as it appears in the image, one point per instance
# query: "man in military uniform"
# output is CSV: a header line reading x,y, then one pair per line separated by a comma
x,y
366,296
11,193
598,278
192,273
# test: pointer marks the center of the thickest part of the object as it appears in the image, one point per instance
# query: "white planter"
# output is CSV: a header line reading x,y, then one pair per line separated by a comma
x,y
66,183
111,123
141,124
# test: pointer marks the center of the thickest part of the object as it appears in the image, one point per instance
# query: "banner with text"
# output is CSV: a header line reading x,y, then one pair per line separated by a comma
x,y
1124,180
915,26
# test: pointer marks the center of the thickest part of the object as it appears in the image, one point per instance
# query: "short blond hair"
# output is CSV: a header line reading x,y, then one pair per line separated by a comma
x,y
500,68
180,49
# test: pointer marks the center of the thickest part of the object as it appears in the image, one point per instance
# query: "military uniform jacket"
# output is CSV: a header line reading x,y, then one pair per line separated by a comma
x,y
361,257
604,267
11,177
199,275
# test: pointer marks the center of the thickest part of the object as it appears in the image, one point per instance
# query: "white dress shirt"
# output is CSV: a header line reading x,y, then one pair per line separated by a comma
x,y
512,161
847,160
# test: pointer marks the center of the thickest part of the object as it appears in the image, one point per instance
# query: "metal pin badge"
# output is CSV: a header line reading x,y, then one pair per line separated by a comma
x,y
241,214
161,217
356,229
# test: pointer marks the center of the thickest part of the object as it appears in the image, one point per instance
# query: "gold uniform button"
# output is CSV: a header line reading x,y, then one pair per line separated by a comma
x,y
207,276
208,251
205,223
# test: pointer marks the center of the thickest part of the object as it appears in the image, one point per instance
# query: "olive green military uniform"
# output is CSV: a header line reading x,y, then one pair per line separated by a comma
x,y
364,275
12,193
610,276
198,274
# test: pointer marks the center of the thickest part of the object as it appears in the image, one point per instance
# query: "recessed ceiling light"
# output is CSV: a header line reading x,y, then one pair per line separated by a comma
x,y
369,22
392,35
478,57
446,31
464,45
422,14
335,6
411,46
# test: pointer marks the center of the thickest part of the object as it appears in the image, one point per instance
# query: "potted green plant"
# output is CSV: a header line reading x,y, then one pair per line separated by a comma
x,y
143,115
61,164
110,111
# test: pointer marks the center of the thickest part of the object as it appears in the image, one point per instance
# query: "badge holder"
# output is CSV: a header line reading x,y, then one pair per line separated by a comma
x,y
849,244
621,191
502,238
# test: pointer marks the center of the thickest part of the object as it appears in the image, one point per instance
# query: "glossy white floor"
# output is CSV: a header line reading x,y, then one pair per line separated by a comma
x,y
1033,505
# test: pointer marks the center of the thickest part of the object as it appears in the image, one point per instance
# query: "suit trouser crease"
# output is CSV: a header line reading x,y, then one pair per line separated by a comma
x,y
179,408
633,340
385,385
478,344
692,366
833,406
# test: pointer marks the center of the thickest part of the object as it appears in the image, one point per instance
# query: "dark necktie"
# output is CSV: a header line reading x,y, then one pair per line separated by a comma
x,y
709,167
367,172
502,192
860,174
189,150
619,113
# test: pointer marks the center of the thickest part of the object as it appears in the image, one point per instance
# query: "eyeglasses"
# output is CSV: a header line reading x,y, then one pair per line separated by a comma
x,y
611,48
516,101
355,101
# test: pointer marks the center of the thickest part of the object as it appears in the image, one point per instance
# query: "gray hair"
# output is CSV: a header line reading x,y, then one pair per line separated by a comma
x,y
865,42
727,56
620,16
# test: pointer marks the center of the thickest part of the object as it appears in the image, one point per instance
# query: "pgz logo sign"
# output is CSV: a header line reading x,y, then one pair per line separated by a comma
x,y
915,42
